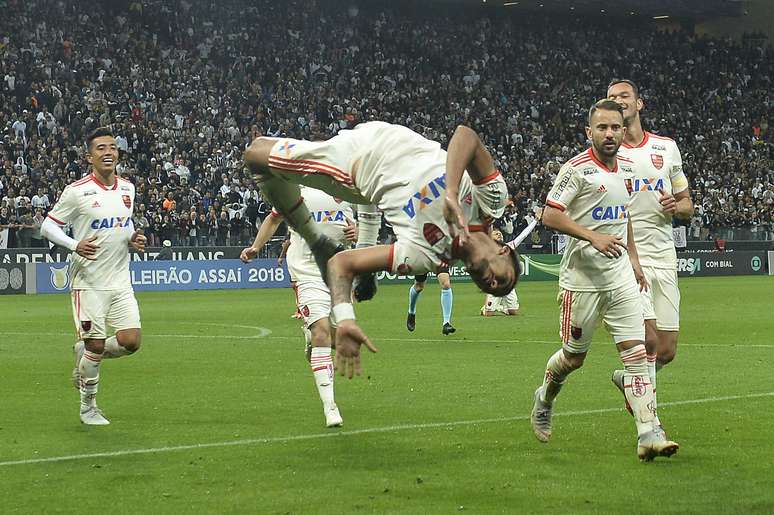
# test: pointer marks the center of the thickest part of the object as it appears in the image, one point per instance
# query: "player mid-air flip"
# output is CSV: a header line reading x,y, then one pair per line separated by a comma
x,y
439,204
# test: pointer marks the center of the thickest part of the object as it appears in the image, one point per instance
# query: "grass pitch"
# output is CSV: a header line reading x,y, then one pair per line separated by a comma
x,y
219,413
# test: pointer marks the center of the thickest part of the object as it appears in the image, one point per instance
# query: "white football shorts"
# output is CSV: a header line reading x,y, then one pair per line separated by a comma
x,y
662,300
620,310
96,311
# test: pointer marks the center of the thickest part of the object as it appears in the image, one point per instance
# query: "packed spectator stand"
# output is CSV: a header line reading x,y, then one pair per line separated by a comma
x,y
186,87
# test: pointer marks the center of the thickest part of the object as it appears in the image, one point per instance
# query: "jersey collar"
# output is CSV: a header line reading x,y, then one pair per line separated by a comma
x,y
103,186
642,143
601,164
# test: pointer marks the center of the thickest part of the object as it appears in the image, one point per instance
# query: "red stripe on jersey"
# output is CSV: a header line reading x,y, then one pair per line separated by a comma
x,y
640,144
555,205
104,186
315,369
601,164
581,162
489,178
624,159
54,219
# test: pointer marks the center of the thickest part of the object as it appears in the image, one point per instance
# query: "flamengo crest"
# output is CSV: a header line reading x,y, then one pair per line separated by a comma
x,y
657,160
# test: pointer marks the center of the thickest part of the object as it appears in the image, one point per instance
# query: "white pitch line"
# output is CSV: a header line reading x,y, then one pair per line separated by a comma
x,y
355,432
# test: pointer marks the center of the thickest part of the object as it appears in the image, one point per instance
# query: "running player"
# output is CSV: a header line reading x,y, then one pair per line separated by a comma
x,y
312,295
439,205
99,207
588,202
507,305
447,300
660,192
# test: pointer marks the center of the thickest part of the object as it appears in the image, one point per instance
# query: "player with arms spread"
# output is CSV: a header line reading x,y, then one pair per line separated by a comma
x,y
99,207
660,191
439,204
588,202
313,296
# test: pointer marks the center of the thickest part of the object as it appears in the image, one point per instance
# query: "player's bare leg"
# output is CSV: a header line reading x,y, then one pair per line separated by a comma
x,y
88,368
651,441
561,364
321,362
666,347
286,198
414,292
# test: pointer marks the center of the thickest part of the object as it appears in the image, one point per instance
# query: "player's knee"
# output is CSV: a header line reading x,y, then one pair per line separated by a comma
x,y
95,346
418,287
666,355
129,340
574,360
321,334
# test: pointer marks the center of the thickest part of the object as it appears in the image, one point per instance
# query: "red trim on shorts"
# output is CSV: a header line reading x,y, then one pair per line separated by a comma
x,y
319,368
54,219
391,258
555,205
307,169
489,178
306,163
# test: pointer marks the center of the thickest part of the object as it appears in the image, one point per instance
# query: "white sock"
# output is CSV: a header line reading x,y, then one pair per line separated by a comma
x,y
638,389
89,370
652,374
322,369
113,349
557,370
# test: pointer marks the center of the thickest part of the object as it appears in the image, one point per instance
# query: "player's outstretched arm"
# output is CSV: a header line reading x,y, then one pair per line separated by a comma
x,y
342,268
267,230
466,152
558,220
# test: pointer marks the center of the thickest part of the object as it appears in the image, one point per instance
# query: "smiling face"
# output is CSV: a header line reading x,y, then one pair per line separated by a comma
x,y
102,154
628,98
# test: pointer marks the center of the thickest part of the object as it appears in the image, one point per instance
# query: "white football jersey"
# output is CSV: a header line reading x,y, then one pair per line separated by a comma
x,y
93,209
596,198
657,164
331,216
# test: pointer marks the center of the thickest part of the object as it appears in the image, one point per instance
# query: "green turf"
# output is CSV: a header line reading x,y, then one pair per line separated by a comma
x,y
410,443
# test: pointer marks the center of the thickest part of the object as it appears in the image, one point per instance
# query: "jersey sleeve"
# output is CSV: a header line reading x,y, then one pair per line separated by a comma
x,y
565,188
409,259
676,176
66,207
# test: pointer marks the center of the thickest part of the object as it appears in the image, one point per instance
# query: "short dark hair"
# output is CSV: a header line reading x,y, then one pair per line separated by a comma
x,y
97,133
605,105
625,81
514,255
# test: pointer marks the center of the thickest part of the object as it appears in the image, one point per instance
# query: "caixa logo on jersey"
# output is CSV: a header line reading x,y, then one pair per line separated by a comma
x,y
646,184
114,222
425,196
328,216
609,213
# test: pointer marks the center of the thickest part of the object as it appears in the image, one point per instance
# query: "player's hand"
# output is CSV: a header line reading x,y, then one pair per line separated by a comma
x,y
350,231
349,338
608,245
280,260
455,219
668,202
87,249
639,276
248,254
138,241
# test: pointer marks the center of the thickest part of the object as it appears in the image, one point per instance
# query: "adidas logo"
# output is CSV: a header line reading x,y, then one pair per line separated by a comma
x,y
602,189
95,204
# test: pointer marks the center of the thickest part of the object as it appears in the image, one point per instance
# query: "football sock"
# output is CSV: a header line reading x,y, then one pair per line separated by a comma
x,y
652,374
489,302
413,297
287,200
369,221
322,368
557,370
638,389
113,349
447,301
89,370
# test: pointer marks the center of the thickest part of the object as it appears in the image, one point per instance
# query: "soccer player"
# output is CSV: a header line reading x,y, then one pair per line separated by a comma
x,y
507,305
99,207
660,191
447,300
312,295
588,202
438,203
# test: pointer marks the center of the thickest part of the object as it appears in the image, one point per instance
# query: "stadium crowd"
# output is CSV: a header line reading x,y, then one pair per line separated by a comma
x,y
185,88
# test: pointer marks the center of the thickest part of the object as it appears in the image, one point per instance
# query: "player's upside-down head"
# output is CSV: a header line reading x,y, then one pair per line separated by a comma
x,y
492,265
